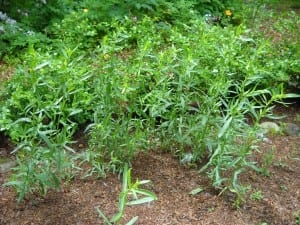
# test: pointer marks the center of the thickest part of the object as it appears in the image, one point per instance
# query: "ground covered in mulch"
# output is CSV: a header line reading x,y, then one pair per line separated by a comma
x,y
278,204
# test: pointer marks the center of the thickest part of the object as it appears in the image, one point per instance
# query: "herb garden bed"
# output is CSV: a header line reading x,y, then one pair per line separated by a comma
x,y
273,199
165,90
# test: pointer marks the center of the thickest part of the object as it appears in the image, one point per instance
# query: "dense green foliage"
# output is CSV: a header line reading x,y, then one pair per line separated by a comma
x,y
144,78
35,21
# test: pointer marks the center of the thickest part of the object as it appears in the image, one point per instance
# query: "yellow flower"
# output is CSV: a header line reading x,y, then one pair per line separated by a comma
x,y
85,10
228,12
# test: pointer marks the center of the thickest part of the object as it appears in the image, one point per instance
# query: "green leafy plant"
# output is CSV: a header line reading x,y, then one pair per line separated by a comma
x,y
117,141
129,189
144,83
16,37
36,14
41,167
256,196
268,158
263,223
297,217
48,104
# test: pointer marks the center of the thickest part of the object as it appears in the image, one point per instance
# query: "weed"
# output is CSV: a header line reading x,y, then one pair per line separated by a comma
x,y
211,209
129,189
297,217
257,196
41,167
283,187
268,158
263,223
281,164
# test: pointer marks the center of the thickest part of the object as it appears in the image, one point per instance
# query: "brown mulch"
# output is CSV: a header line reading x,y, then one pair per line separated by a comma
x,y
77,201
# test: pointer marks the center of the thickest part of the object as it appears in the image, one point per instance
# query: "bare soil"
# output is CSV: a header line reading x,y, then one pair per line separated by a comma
x,y
279,203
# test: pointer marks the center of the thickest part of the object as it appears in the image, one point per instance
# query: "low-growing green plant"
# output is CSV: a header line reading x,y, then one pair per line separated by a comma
x,y
36,14
16,37
41,167
263,223
117,141
129,189
283,187
268,158
256,196
41,109
76,30
297,217
282,29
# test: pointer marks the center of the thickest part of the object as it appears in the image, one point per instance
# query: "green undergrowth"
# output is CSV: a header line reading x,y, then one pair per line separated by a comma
x,y
146,84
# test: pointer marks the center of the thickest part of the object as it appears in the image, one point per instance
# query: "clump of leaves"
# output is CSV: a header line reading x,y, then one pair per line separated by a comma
x,y
15,37
257,195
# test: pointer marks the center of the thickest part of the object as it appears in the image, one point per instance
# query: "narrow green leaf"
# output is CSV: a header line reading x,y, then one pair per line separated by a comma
x,y
122,203
24,119
225,127
38,67
196,191
291,95
133,220
144,182
69,149
45,139
13,183
144,192
20,146
103,216
141,201
116,217
75,111
58,100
